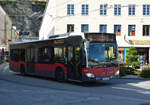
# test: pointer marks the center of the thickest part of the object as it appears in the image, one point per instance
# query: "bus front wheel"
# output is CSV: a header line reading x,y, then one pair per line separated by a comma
x,y
59,75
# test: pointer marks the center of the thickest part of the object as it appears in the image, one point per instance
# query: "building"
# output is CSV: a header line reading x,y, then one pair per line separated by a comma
x,y
2,28
6,29
128,19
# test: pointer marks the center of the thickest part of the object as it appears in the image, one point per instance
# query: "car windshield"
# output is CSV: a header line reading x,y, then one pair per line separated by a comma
x,y
101,52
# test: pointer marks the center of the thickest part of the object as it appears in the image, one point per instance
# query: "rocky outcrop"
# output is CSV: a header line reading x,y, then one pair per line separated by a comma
x,y
26,15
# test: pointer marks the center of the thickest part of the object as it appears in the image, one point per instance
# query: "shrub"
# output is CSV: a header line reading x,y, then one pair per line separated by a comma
x,y
132,58
124,70
145,72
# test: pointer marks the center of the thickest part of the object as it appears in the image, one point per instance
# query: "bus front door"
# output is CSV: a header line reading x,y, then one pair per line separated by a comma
x,y
74,69
30,60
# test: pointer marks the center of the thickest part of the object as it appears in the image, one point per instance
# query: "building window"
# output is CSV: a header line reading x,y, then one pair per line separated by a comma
x,y
117,29
146,9
84,28
117,9
70,28
131,30
146,30
131,9
85,9
103,9
70,9
103,28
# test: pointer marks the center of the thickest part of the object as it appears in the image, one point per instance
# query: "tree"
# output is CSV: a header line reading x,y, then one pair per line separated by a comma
x,y
132,57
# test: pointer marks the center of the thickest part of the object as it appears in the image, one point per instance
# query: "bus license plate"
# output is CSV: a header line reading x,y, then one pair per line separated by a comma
x,y
105,78
98,78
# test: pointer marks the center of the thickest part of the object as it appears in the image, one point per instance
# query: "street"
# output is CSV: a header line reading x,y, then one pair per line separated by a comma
x,y
30,90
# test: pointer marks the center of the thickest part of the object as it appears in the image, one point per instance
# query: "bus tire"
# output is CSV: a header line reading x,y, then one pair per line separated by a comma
x,y
22,70
59,74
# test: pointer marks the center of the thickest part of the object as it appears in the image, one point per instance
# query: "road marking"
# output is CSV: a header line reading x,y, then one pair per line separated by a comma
x,y
143,84
136,90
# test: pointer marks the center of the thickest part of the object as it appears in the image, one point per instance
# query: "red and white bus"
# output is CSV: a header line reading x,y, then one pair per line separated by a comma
x,y
74,56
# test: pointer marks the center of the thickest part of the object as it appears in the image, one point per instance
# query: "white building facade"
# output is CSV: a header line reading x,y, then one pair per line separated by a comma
x,y
128,19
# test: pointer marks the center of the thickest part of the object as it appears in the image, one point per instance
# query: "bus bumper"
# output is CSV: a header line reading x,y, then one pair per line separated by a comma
x,y
85,78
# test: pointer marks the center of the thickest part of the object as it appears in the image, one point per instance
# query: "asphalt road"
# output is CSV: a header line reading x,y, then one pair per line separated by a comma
x,y
28,90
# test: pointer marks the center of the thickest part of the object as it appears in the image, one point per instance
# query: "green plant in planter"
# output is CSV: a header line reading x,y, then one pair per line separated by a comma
x,y
132,58
145,72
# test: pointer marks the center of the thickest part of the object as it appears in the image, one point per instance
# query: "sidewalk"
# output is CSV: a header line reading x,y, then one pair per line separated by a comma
x,y
133,77
4,67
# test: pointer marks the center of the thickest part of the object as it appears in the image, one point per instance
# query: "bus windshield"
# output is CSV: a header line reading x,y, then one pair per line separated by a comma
x,y
102,53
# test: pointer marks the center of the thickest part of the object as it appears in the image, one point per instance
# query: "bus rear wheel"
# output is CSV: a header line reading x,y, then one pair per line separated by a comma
x,y
59,75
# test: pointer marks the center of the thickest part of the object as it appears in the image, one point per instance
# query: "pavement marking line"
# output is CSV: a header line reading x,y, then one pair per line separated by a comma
x,y
136,90
143,84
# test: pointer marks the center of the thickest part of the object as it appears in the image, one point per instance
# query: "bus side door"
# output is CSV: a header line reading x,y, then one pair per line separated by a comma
x,y
74,62
30,60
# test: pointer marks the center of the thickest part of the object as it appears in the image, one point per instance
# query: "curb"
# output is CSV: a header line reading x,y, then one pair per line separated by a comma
x,y
138,78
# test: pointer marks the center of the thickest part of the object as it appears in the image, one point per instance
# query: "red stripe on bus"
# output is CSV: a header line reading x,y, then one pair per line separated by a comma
x,y
50,67
14,64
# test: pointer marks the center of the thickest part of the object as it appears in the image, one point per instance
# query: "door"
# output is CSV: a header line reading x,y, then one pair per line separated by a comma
x,y
30,60
74,63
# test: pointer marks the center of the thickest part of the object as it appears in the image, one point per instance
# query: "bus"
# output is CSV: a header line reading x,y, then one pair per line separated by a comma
x,y
72,56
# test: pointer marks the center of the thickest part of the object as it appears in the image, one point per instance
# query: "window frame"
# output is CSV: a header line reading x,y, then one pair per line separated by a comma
x,y
84,9
70,9
146,10
71,28
103,9
117,9
84,28
117,27
146,30
131,9
103,27
130,30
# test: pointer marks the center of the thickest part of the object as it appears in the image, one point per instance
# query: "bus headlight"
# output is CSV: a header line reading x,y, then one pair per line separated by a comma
x,y
117,73
90,75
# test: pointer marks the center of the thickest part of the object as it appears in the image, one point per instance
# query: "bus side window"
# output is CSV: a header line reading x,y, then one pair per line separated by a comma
x,y
70,53
32,55
16,55
11,54
28,54
59,54
22,54
44,55
83,56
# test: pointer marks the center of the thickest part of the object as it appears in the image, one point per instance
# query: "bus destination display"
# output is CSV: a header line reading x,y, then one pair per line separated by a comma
x,y
101,37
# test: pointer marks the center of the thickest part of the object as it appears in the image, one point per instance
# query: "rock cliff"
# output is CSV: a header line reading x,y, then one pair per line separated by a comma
x,y
26,15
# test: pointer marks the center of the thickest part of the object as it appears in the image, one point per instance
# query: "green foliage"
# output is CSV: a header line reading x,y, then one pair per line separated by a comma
x,y
132,58
145,72
39,3
5,2
124,70
10,2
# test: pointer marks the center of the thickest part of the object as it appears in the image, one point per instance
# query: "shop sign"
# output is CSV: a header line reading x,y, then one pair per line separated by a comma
x,y
140,42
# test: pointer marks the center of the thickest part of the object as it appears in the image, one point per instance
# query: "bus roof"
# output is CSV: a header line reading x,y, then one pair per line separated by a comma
x,y
102,37
53,37
59,36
